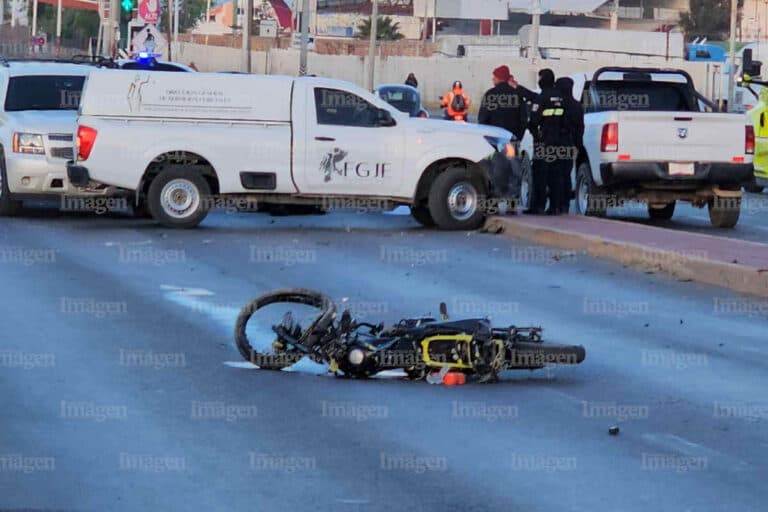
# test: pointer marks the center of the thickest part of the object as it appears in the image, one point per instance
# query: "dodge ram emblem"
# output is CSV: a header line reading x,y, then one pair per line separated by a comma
x,y
682,133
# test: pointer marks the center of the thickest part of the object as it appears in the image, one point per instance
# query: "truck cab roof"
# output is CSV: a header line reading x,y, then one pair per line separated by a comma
x,y
42,67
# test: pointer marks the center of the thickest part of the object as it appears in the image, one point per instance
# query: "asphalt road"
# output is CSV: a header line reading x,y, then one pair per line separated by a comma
x,y
121,388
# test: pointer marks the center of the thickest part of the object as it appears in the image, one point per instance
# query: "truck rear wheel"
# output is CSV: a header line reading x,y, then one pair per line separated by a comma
x,y
724,212
663,213
455,200
589,197
178,198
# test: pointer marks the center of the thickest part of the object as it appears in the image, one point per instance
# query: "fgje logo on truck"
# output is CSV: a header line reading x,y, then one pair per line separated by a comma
x,y
333,162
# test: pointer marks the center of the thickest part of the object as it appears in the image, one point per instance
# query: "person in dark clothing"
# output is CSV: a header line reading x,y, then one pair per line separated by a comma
x,y
541,167
411,80
503,106
574,114
554,135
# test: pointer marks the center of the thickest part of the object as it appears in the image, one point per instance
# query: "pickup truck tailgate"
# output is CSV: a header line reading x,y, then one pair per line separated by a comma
x,y
681,136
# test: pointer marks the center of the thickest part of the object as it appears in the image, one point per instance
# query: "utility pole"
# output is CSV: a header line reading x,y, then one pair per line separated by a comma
x,y
304,38
110,28
34,17
732,68
58,24
535,30
247,15
434,20
176,9
170,28
615,15
372,47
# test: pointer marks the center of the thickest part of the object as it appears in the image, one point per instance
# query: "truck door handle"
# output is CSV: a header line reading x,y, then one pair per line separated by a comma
x,y
325,139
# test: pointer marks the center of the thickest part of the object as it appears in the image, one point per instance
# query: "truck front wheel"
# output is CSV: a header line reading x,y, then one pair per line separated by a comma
x,y
724,212
178,198
421,214
455,200
8,205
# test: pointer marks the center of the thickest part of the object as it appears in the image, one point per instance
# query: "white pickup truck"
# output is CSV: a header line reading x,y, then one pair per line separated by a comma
x,y
183,141
649,137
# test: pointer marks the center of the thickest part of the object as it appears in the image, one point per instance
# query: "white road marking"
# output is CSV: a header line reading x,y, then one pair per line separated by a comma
x,y
400,210
119,244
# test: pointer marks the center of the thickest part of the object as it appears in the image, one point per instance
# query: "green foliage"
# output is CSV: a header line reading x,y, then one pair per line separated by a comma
x,y
191,12
75,23
386,29
708,18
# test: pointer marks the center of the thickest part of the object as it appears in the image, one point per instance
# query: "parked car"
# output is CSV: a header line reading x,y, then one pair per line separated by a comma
x,y
177,139
404,98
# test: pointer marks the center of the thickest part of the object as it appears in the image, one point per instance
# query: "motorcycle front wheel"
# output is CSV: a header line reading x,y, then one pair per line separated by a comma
x,y
280,358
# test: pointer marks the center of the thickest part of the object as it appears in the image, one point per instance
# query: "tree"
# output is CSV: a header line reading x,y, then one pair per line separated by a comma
x,y
386,29
708,18
191,12
76,24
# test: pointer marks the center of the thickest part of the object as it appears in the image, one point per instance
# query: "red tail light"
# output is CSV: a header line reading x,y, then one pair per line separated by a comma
x,y
749,141
609,143
86,136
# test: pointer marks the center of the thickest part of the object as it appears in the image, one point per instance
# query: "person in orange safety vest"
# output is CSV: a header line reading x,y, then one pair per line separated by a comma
x,y
456,103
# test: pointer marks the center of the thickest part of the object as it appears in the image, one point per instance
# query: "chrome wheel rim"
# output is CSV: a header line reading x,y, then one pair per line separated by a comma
x,y
462,201
179,198
525,192
583,196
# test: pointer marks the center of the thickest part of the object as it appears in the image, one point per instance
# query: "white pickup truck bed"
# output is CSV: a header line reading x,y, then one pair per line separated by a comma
x,y
647,138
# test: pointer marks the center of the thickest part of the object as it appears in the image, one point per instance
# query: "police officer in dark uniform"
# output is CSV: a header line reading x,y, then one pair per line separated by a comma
x,y
574,113
540,166
551,139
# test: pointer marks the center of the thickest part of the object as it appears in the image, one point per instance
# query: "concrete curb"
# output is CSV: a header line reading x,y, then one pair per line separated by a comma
x,y
740,278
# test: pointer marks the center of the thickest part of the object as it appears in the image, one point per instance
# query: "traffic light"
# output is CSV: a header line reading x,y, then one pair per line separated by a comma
x,y
127,5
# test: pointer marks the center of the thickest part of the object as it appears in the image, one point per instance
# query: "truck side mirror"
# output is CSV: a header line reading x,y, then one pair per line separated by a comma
x,y
750,68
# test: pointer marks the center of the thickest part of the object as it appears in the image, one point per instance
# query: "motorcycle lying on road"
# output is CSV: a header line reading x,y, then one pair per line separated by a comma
x,y
419,346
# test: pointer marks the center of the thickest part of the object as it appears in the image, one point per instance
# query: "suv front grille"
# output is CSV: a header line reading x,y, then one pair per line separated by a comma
x,y
60,137
62,153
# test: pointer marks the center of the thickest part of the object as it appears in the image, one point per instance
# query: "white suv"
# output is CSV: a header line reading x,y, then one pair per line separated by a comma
x,y
38,112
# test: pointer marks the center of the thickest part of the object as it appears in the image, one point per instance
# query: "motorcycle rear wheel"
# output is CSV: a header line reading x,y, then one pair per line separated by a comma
x,y
528,356
282,359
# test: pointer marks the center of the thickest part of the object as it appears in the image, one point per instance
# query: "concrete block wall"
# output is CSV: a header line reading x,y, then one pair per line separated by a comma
x,y
435,73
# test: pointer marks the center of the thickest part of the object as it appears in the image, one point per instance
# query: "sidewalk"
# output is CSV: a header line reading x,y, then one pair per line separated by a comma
x,y
739,265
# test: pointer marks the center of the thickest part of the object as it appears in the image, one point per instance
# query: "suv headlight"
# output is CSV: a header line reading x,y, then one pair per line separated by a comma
x,y
503,146
28,143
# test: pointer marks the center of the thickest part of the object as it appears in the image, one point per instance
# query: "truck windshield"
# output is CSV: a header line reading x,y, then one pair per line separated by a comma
x,y
43,92
644,96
